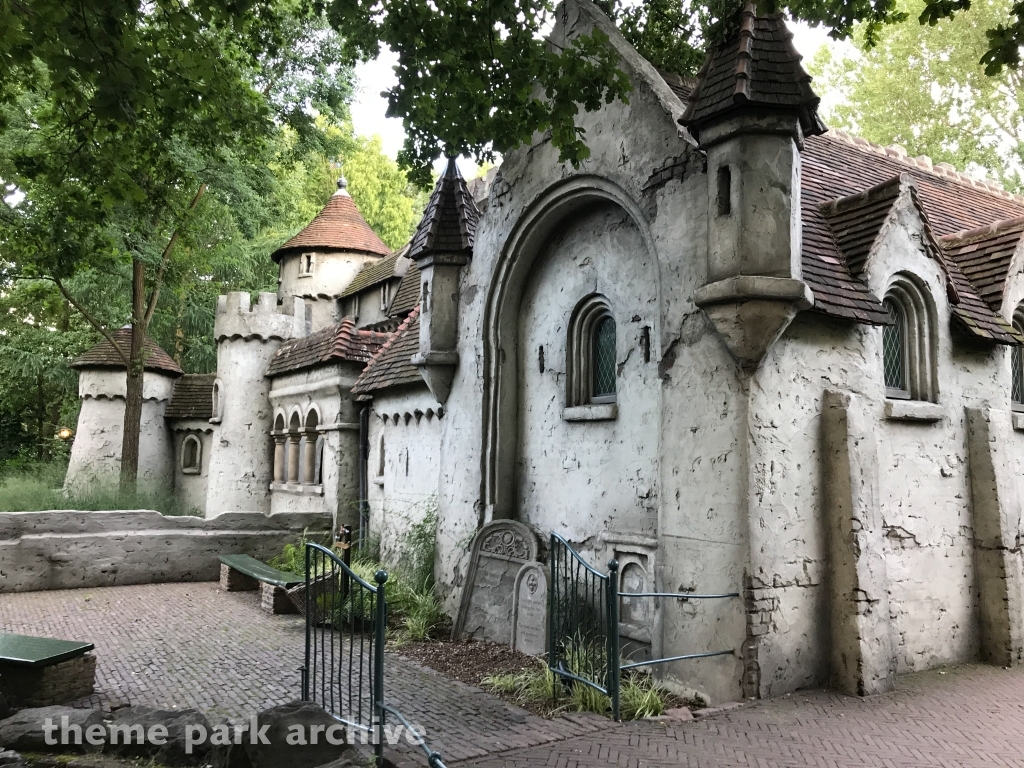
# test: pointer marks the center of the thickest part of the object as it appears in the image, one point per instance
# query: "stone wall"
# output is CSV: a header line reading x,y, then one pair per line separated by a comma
x,y
324,390
70,549
405,423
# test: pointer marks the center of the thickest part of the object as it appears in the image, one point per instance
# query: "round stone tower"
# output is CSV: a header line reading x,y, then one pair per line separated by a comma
x,y
241,462
320,261
95,460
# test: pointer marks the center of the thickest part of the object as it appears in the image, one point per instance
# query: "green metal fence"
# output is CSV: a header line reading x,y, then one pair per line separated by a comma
x,y
346,621
583,619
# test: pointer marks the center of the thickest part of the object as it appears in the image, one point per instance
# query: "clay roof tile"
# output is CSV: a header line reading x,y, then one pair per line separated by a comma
x,y
103,354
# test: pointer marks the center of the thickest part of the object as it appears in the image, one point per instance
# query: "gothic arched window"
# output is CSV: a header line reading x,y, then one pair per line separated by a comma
x,y
908,342
191,455
590,350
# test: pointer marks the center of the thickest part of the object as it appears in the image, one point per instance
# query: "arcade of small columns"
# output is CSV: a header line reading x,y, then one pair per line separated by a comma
x,y
297,449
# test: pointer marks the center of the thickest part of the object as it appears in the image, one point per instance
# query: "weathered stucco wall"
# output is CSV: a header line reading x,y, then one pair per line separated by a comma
x,y
68,549
191,487
405,429
332,272
96,453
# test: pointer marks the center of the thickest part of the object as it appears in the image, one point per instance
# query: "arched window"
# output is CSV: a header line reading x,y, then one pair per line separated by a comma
x,y
280,472
590,350
909,342
1017,364
309,448
380,456
218,401
191,455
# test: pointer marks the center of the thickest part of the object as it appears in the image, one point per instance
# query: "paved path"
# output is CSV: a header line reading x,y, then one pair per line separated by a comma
x,y
162,645
192,645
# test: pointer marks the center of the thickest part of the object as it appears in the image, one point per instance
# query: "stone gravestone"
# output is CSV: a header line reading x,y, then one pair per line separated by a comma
x,y
530,610
499,550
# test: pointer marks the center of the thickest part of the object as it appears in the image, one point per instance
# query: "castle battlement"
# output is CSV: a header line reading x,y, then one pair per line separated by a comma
x,y
238,319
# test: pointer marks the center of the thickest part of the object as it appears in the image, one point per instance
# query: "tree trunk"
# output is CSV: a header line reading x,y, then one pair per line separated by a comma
x,y
133,400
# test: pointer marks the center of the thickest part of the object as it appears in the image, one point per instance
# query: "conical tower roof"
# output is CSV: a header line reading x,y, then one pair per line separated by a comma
x,y
449,221
755,68
338,227
103,354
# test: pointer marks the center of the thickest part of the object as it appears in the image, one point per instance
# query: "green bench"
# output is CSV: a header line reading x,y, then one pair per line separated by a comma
x,y
41,671
240,573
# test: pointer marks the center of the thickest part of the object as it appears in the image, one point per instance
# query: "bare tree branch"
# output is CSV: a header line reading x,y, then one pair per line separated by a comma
x,y
92,320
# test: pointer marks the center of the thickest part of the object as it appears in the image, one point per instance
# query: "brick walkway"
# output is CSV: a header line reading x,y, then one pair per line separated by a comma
x,y
190,645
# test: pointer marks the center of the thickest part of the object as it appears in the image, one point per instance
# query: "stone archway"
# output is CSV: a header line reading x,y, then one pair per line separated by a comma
x,y
558,208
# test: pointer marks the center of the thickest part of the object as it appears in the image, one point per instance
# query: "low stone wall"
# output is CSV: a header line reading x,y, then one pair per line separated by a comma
x,y
70,549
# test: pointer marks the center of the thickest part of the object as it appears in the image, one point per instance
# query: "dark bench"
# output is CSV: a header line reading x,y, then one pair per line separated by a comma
x,y
239,573
41,671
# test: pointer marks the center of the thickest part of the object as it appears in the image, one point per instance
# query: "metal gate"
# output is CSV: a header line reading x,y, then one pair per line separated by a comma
x,y
583,619
346,620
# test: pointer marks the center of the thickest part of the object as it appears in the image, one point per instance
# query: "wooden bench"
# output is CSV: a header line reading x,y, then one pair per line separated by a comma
x,y
239,573
41,671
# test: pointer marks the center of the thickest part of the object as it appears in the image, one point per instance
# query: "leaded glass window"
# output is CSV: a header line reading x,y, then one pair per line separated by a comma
x,y
603,358
894,351
1017,374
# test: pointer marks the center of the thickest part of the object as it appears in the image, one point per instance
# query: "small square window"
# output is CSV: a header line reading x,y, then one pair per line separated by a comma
x,y
307,263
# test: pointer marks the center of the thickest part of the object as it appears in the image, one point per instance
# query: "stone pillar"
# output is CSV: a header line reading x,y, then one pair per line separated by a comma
x,y
862,655
293,457
997,555
309,459
279,458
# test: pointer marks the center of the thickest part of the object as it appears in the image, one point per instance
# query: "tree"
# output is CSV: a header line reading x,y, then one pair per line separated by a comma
x,y
114,134
923,87
379,188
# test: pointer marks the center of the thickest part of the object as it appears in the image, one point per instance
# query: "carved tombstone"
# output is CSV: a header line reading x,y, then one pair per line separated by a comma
x,y
530,610
499,550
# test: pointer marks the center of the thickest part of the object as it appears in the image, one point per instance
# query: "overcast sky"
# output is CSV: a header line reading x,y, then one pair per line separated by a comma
x,y
376,76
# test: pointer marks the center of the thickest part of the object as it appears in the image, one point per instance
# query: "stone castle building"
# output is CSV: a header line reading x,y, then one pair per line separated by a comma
x,y
733,350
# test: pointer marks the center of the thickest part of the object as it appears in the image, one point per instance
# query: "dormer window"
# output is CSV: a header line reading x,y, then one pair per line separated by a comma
x,y
908,342
385,295
307,263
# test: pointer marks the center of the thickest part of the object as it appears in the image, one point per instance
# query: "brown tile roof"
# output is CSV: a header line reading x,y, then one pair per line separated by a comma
x,y
984,256
192,398
103,355
371,275
336,342
408,294
835,165
393,366
679,85
856,220
449,221
755,67
338,227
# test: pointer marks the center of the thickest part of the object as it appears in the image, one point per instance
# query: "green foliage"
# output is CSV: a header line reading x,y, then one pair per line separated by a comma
x,y
381,191
293,557
39,489
639,697
923,87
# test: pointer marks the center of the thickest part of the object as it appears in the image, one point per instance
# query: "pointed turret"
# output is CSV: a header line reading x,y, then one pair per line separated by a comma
x,y
750,111
442,245
318,263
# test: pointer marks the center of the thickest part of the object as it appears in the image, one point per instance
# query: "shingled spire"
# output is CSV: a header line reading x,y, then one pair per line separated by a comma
x,y
755,68
442,245
449,221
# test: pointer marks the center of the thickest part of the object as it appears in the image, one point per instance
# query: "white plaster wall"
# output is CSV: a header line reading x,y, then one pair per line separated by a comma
x,y
407,419
332,274
327,390
922,473
192,487
96,453
582,478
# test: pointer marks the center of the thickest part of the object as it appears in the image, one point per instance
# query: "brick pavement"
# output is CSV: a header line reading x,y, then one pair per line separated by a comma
x,y
961,717
192,645
162,645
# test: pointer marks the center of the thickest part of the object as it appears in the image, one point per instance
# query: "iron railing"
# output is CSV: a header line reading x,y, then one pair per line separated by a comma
x,y
346,620
583,617
582,607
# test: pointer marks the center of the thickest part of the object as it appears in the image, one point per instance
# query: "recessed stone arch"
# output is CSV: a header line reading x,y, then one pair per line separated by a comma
x,y
513,267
